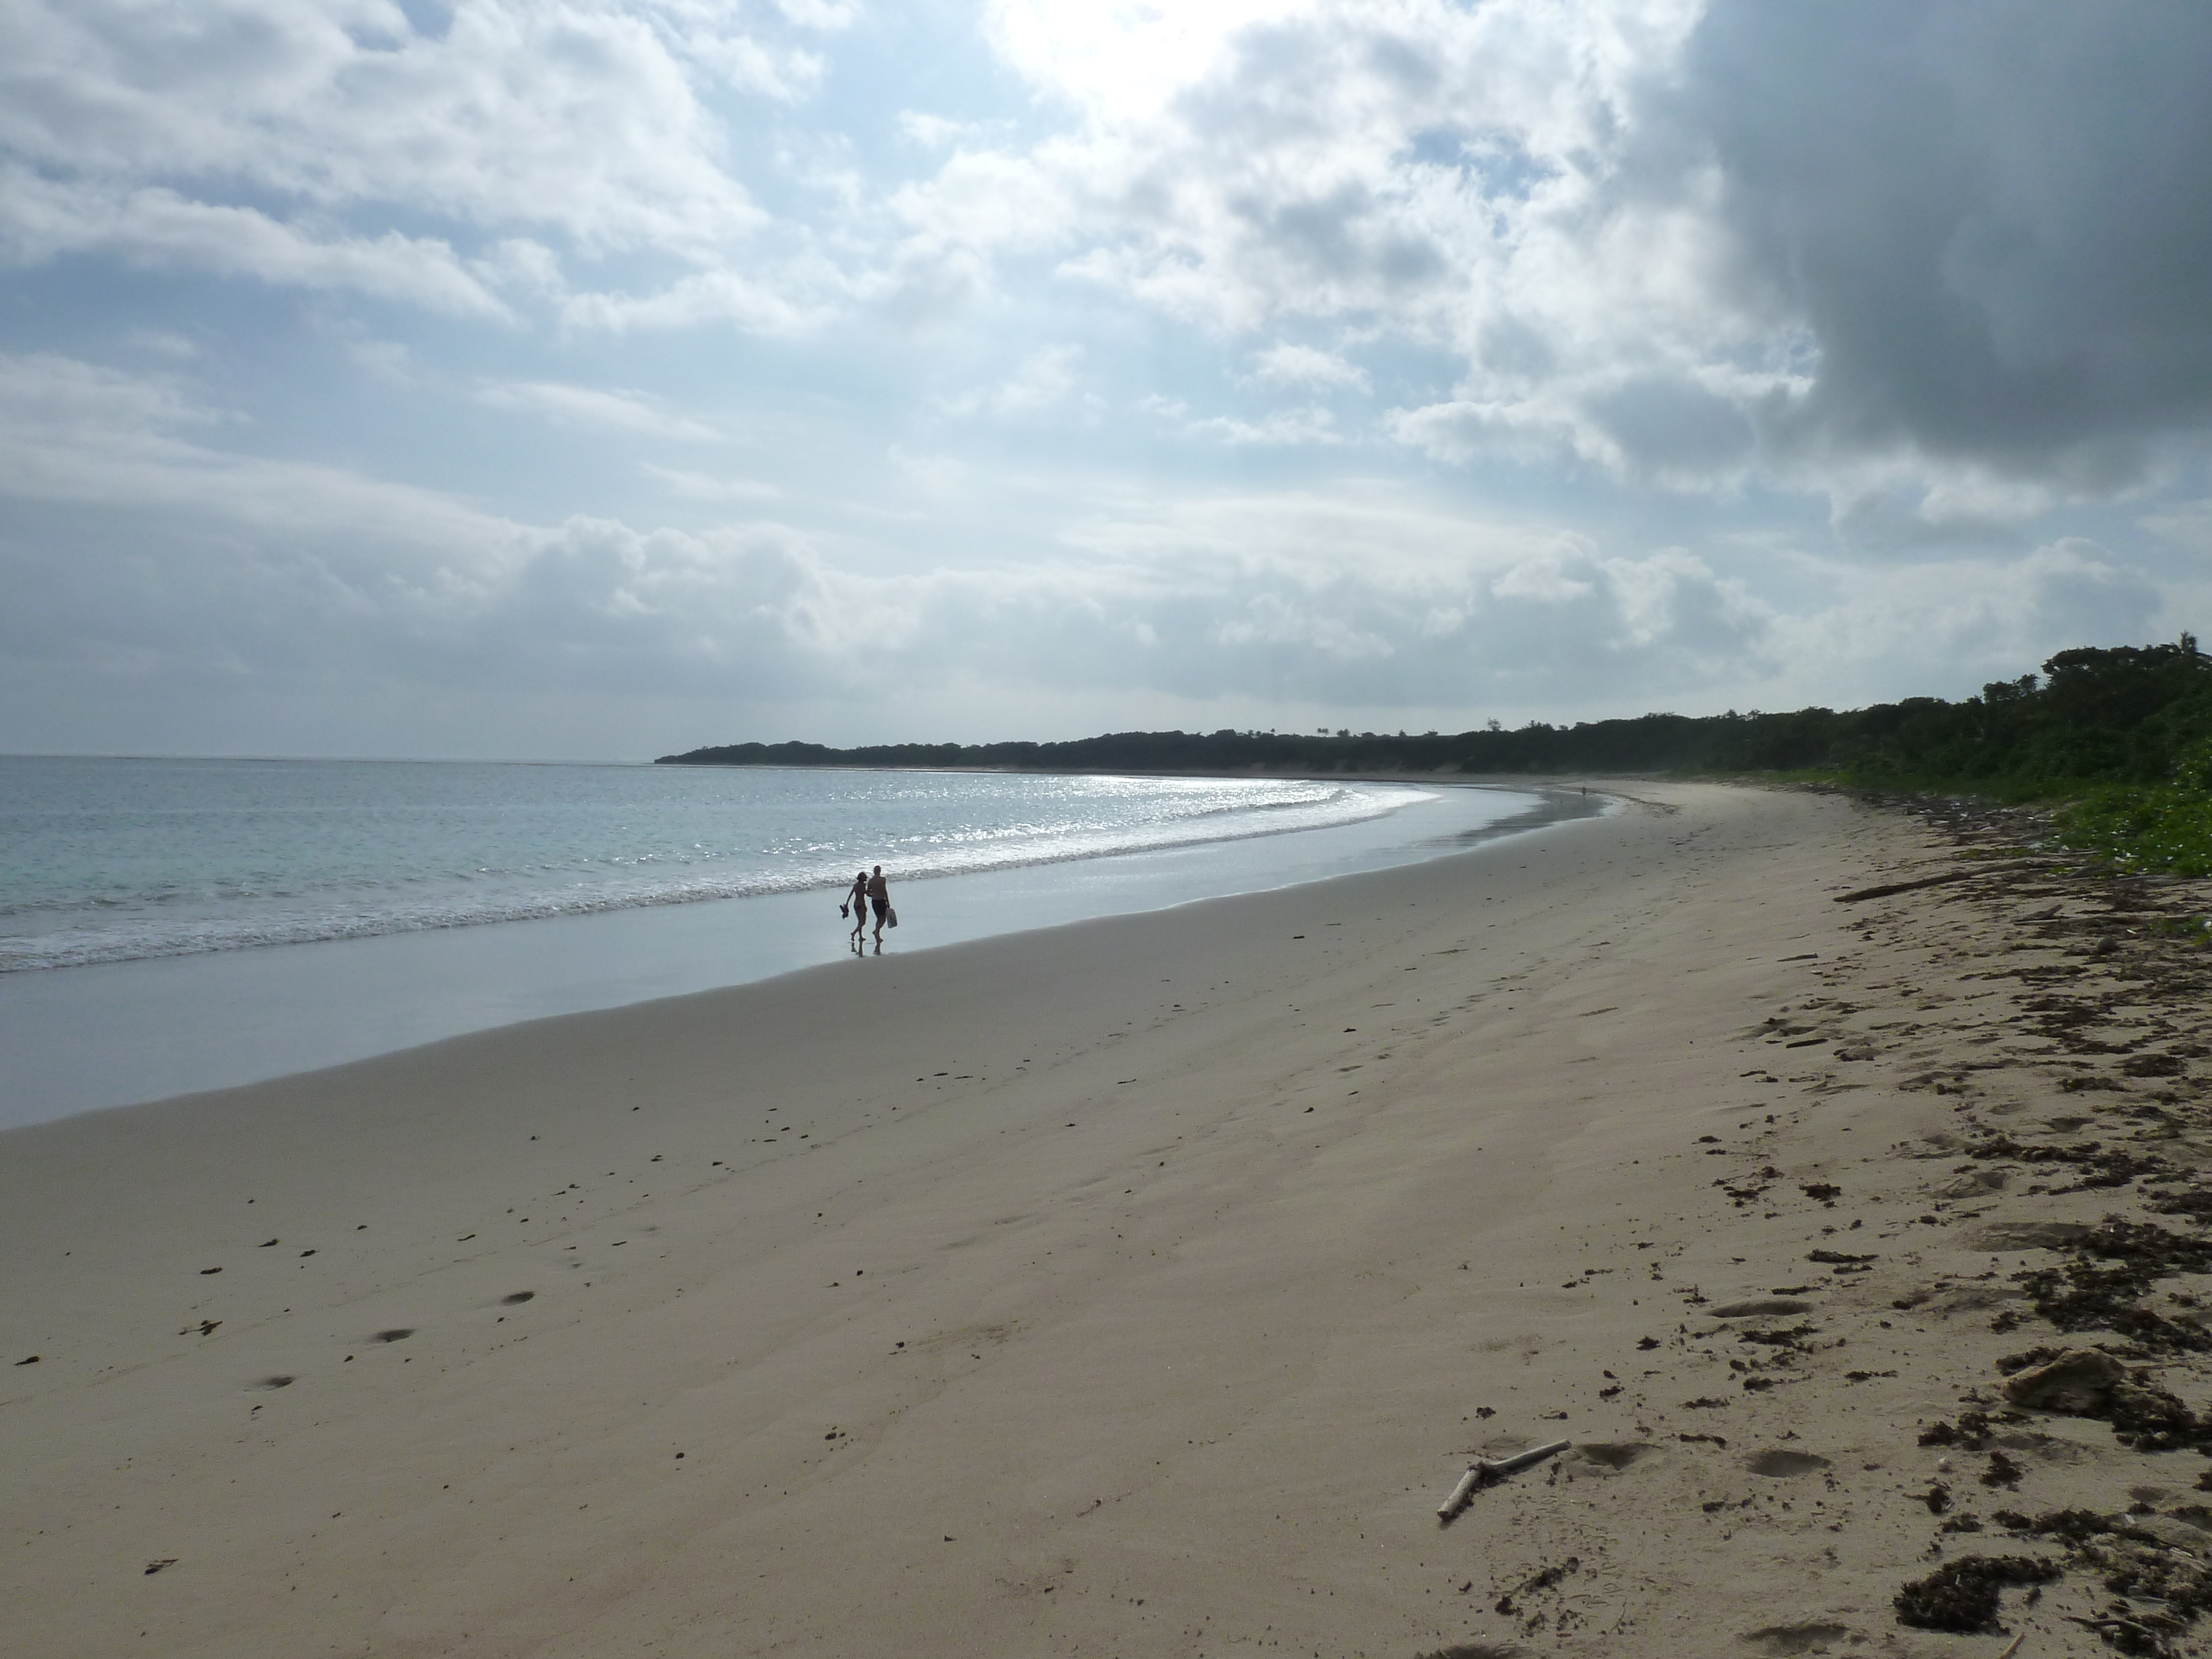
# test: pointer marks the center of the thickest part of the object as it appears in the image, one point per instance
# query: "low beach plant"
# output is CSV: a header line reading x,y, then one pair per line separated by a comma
x,y
2164,826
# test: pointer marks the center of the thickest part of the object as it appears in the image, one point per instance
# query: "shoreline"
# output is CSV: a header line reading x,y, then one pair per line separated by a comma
x,y
1140,1285
92,1036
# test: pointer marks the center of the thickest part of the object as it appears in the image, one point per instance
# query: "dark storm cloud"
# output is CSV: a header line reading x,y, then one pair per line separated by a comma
x,y
1995,220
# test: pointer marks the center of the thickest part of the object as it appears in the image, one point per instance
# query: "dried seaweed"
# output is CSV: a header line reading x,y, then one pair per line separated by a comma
x,y
1962,1596
2134,1563
2106,1274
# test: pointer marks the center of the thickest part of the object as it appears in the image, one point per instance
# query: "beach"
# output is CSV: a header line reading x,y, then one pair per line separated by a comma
x,y
1137,1286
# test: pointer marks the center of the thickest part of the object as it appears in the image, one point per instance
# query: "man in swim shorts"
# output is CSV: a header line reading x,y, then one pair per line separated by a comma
x,y
880,895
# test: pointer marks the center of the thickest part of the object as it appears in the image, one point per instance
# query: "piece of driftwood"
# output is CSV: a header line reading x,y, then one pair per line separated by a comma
x,y
1484,1470
1888,888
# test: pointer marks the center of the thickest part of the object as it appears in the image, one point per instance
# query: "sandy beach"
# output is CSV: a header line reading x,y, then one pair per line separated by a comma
x,y
1141,1286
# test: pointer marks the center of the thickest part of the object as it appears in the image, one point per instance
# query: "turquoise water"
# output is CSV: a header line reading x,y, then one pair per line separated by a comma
x,y
113,860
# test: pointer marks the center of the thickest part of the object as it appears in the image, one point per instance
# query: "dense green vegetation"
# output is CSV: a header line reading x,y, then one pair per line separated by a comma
x,y
2119,739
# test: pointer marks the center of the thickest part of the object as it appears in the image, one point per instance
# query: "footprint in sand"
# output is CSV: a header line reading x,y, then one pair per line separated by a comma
x,y
1616,1455
1760,1308
1784,1465
398,1334
516,1298
273,1382
1813,1636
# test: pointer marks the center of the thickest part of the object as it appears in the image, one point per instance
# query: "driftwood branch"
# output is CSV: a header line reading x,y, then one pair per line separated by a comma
x,y
1888,888
1484,1470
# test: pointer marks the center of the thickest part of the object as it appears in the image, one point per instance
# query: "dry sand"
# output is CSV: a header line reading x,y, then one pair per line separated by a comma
x,y
1134,1288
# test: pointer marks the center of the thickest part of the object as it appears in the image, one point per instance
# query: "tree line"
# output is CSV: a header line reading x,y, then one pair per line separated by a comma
x,y
2093,715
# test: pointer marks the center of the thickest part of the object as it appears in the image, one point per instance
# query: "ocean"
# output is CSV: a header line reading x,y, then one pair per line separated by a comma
x,y
109,860
176,924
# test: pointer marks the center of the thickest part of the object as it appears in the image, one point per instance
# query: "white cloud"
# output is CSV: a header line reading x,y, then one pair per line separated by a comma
x,y
1950,626
309,144
791,307
2185,523
1288,427
932,131
1686,242
1282,429
1884,333
590,406
574,113
388,361
934,474
712,487
1292,365
283,566
1048,378
41,219
1118,62
163,343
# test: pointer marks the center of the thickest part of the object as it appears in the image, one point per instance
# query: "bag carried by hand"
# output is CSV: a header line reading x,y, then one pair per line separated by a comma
x,y
844,909
891,918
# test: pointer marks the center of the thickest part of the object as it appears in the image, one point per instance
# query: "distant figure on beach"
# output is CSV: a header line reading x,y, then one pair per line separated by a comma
x,y
857,902
879,895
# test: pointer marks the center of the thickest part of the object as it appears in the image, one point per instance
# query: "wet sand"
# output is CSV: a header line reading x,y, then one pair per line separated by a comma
x,y
117,1034
1135,1288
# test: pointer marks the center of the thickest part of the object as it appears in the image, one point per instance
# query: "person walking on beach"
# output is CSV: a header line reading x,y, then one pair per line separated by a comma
x,y
857,902
879,895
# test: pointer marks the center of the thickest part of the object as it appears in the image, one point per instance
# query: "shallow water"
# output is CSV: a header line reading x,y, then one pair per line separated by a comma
x,y
80,1038
115,860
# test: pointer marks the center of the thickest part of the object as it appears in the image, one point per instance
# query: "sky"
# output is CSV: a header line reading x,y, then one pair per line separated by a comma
x,y
583,378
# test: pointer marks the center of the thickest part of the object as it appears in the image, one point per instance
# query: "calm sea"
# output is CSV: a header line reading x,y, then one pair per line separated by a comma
x,y
109,860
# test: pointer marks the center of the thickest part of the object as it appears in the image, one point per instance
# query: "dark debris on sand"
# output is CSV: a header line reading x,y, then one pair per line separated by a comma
x,y
2133,1563
1962,1596
2114,988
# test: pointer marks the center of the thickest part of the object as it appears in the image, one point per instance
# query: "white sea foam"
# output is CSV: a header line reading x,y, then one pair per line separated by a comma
x,y
108,861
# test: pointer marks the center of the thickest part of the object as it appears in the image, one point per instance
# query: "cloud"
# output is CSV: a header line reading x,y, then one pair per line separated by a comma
x,y
800,300
42,219
275,573
388,361
1988,221
310,144
1719,352
163,343
1283,428
932,131
571,113
592,407
709,487
1948,627
2185,523
205,579
1687,243
1046,379
1290,365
